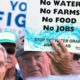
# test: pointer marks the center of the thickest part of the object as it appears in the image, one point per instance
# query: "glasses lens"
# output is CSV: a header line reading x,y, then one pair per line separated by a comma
x,y
10,50
76,57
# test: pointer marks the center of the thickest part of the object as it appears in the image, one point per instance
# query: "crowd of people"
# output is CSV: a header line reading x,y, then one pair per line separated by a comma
x,y
34,63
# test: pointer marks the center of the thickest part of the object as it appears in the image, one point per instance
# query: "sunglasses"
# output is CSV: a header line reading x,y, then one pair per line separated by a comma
x,y
10,50
76,57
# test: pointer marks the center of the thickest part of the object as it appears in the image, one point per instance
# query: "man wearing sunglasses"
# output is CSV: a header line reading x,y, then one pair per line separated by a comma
x,y
76,62
8,40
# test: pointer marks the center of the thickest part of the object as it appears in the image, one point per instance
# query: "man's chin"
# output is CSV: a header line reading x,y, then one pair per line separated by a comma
x,y
35,74
34,78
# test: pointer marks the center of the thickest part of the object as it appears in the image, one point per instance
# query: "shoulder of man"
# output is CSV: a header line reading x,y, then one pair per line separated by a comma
x,y
18,75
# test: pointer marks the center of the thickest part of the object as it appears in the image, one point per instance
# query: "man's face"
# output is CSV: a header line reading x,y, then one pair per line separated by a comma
x,y
34,64
10,48
76,63
3,65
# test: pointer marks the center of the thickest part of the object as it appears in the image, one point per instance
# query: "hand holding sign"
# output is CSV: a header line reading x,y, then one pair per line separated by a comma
x,y
61,58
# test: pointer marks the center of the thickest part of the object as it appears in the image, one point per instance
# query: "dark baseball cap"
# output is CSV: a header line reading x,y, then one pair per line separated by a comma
x,y
20,52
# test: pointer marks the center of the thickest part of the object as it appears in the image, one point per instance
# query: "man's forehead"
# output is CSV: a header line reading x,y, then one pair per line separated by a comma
x,y
32,52
27,53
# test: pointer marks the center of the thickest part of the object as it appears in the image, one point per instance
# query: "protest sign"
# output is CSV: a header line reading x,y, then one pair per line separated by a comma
x,y
13,15
52,19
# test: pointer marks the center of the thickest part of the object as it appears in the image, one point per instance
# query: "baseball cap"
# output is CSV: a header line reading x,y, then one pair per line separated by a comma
x,y
8,37
20,52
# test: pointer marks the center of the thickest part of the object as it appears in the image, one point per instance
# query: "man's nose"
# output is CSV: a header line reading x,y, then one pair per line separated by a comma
x,y
33,61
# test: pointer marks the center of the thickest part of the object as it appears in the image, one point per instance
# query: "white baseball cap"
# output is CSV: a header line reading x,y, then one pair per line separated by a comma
x,y
8,37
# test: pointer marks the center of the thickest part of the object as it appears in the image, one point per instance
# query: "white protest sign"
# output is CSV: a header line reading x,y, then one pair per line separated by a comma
x,y
52,19
13,15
